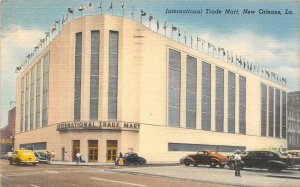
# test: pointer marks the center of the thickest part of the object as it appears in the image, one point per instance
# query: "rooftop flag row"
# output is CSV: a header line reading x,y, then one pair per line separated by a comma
x,y
200,44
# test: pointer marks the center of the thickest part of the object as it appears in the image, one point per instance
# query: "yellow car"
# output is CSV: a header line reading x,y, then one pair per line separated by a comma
x,y
23,156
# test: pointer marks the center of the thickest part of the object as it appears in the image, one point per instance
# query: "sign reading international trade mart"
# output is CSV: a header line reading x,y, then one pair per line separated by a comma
x,y
98,125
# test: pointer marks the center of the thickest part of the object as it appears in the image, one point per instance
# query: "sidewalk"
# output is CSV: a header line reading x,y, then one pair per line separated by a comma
x,y
57,162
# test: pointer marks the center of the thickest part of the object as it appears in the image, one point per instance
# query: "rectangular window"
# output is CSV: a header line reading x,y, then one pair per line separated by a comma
x,y
78,66
283,119
206,96
113,75
22,105
45,90
197,147
231,102
26,102
277,113
219,99
263,111
174,88
32,81
242,105
271,111
38,95
94,78
191,91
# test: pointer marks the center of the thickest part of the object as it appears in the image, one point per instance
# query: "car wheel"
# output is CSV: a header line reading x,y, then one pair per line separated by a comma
x,y
222,165
187,162
195,164
18,162
231,166
212,164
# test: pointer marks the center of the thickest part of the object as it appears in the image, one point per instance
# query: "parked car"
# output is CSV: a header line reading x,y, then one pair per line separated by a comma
x,y
23,156
8,155
132,158
206,157
271,160
41,157
295,155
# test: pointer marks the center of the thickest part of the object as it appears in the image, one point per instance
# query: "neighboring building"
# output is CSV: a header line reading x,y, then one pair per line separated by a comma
x,y
7,133
293,120
108,84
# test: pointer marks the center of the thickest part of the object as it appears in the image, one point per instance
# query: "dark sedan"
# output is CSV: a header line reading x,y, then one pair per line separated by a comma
x,y
273,161
41,157
132,158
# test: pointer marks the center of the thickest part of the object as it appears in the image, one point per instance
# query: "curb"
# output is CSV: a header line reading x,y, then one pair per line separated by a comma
x,y
283,176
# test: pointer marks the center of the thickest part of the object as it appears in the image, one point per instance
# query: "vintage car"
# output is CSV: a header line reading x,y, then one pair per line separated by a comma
x,y
271,160
41,157
23,156
206,157
132,158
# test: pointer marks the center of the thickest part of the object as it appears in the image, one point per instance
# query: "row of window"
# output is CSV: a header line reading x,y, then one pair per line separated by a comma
x,y
273,104
31,94
174,90
94,76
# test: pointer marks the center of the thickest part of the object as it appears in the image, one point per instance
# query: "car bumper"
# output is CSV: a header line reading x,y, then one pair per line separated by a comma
x,y
29,161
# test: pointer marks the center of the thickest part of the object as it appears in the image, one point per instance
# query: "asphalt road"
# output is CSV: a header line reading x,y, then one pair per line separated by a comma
x,y
59,175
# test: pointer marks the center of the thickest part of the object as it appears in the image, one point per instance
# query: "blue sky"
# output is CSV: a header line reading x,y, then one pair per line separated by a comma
x,y
271,41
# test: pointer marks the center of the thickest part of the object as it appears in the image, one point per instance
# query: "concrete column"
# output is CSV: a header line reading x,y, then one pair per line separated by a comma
x,y
225,100
199,94
183,91
213,98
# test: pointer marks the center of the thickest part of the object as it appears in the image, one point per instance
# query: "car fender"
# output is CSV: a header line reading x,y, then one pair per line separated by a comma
x,y
190,159
216,160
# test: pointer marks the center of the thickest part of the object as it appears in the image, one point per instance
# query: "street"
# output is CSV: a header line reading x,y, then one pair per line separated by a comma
x,y
66,175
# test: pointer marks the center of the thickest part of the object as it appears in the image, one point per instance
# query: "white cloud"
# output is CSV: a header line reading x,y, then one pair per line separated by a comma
x,y
15,44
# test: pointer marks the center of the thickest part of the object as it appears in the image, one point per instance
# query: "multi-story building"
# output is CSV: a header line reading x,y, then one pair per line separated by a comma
x,y
108,84
7,132
293,133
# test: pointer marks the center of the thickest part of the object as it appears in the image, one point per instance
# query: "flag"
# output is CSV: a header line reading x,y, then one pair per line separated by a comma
x,y
70,10
90,7
81,8
179,32
174,28
47,34
143,13
122,5
54,28
150,17
165,25
111,6
100,5
57,22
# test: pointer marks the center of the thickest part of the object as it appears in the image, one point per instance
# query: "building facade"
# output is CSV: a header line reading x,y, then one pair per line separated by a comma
x,y
293,120
108,84
7,133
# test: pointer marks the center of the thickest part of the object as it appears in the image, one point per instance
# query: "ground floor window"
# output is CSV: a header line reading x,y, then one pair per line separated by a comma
x,y
34,146
93,150
111,150
197,147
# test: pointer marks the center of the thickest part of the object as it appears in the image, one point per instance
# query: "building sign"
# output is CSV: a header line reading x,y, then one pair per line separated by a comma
x,y
98,125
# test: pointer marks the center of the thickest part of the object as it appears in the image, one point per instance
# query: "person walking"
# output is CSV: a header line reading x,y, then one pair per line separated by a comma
x,y
77,158
238,162
53,155
66,156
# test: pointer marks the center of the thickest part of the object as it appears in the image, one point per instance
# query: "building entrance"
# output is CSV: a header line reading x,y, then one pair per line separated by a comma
x,y
75,149
93,150
111,147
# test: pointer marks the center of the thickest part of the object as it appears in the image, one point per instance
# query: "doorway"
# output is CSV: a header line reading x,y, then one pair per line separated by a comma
x,y
75,149
93,150
111,147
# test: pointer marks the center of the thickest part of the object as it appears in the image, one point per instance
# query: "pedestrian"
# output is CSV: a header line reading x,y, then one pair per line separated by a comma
x,y
238,162
53,155
48,156
120,155
77,158
66,156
